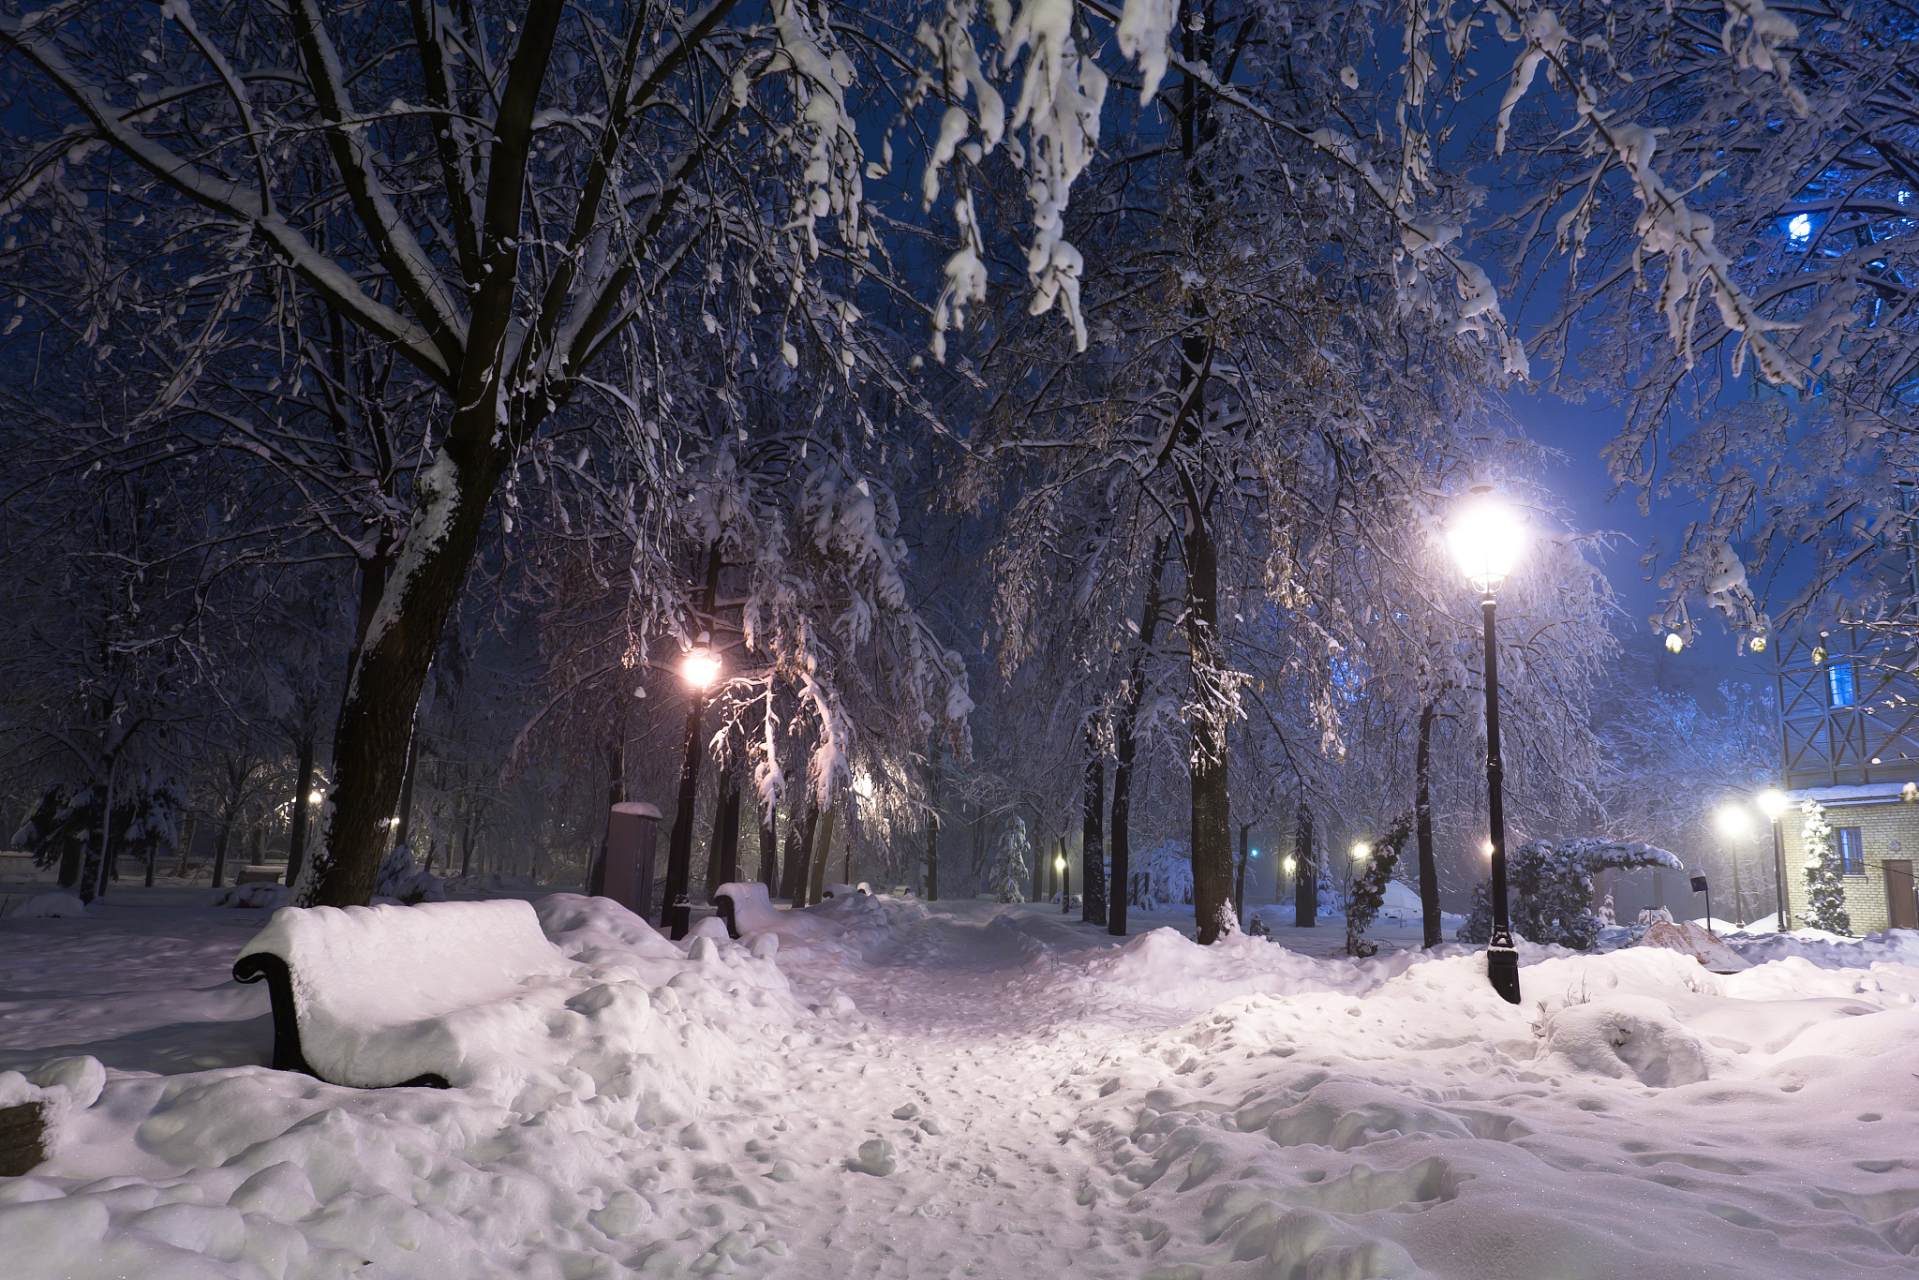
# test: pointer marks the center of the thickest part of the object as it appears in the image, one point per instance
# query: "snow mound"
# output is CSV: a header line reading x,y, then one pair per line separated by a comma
x,y
1628,1035
1696,941
259,894
1167,967
51,906
600,930
1831,950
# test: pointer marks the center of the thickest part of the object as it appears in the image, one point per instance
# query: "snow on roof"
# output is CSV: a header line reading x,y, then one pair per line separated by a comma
x,y
1849,795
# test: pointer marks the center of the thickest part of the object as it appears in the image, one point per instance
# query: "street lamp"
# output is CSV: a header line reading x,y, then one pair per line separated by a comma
x,y
1772,802
1485,537
1361,850
1059,869
700,668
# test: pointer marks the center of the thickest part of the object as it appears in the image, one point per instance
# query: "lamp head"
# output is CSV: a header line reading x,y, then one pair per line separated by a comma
x,y
1361,850
1486,538
1772,802
1059,863
1732,820
701,667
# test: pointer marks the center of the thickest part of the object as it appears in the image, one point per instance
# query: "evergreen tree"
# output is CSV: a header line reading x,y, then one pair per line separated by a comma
x,y
1011,869
1826,907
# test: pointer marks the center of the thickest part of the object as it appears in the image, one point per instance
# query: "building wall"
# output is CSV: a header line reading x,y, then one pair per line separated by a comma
x,y
1882,826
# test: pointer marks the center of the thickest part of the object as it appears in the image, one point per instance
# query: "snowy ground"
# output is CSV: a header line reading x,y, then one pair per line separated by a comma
x,y
979,1090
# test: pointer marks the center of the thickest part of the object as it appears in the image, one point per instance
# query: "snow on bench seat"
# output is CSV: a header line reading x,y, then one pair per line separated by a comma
x,y
393,995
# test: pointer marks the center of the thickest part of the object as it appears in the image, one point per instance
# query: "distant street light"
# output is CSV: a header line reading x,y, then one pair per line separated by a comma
x,y
1361,850
1675,642
1733,820
1059,868
1487,538
316,797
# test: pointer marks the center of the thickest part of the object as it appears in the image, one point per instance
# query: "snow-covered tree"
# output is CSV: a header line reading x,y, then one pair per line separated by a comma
x,y
1825,878
1552,888
1012,864
1368,889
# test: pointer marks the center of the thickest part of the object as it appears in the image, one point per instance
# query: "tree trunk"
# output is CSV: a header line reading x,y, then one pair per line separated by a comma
x,y
769,848
403,816
1125,747
615,794
821,849
388,669
297,824
799,843
1239,872
1038,863
220,852
723,866
932,829
1092,847
466,842
189,828
257,852
1423,813
1305,869
1212,833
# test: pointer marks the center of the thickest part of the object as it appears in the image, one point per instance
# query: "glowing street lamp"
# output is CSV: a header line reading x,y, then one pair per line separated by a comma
x,y
1732,820
1059,870
701,668
1361,851
1486,539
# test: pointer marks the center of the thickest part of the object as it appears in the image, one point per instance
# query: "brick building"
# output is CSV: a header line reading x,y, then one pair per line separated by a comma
x,y
1849,739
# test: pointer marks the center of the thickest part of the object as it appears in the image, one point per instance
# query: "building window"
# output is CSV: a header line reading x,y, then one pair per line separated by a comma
x,y
1852,852
1839,687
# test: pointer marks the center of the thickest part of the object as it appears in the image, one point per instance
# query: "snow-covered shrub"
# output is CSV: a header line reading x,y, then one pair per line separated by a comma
x,y
51,906
1012,866
1552,889
1161,876
399,881
1368,889
1825,880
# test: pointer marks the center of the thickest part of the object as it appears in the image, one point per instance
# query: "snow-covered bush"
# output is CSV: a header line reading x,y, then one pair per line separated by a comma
x,y
1161,876
1825,880
1368,889
1012,866
399,881
1552,889
51,906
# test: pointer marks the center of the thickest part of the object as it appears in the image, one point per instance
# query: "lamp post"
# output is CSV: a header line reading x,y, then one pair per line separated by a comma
x,y
699,669
1065,898
1485,537
1772,802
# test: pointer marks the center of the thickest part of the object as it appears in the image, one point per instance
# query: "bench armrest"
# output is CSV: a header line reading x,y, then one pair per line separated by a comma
x,y
287,1054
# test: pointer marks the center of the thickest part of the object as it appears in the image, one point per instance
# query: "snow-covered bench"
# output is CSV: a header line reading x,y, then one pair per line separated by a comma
x,y
371,996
